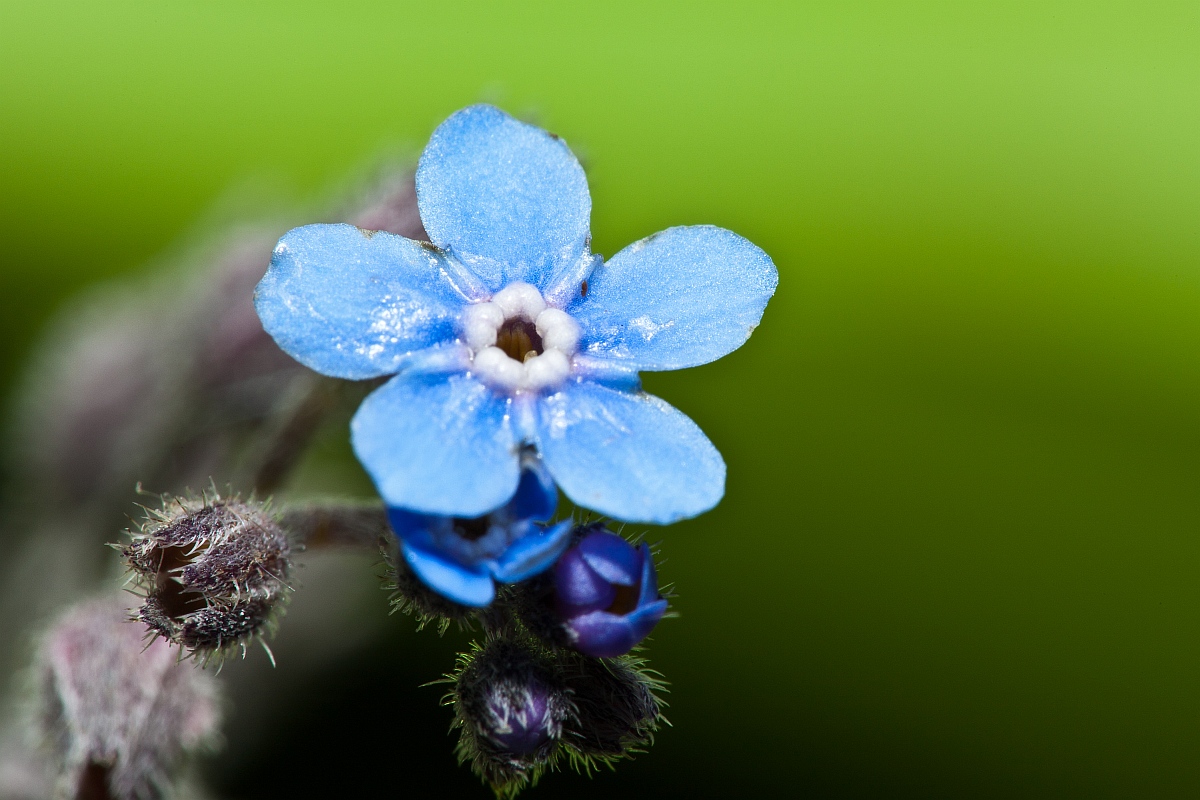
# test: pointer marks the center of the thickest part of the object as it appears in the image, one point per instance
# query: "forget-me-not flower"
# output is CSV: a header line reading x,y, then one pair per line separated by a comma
x,y
507,332
459,558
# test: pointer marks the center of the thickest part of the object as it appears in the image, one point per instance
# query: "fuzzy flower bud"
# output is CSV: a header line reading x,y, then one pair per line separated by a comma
x,y
510,705
118,716
214,572
616,703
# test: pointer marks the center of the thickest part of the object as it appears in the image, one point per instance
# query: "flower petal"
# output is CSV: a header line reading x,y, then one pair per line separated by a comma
x,y
508,199
533,553
613,558
437,445
601,634
471,586
353,304
578,586
630,456
643,620
409,526
679,298
536,496
649,587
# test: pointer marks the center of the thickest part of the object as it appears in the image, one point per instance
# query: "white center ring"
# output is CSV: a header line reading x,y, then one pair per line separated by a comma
x,y
481,323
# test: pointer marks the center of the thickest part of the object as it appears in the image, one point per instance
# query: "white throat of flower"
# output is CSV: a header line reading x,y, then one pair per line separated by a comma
x,y
518,342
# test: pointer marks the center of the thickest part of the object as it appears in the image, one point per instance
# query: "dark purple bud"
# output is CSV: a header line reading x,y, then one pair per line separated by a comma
x,y
214,572
606,594
511,706
118,716
519,718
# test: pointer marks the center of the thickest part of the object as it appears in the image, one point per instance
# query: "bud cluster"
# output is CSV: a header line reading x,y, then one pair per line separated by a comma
x,y
554,679
521,707
214,572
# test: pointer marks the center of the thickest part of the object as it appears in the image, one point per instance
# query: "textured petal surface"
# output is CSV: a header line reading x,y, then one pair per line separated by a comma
x,y
578,586
437,445
471,586
508,199
613,558
676,299
630,456
351,304
533,553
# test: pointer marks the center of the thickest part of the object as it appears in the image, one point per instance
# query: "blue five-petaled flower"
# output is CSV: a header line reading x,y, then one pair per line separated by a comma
x,y
509,334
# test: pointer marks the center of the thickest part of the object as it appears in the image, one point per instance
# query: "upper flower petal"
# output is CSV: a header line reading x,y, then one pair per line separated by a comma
x,y
630,456
578,586
437,445
613,558
353,304
508,199
679,298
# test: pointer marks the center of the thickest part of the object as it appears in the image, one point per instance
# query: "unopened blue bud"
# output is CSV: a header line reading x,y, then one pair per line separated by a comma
x,y
519,718
606,592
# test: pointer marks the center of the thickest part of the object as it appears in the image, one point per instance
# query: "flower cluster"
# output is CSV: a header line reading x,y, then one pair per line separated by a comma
x,y
514,354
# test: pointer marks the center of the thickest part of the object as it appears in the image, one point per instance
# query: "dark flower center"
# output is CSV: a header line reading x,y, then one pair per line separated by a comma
x,y
519,339
174,601
472,529
626,599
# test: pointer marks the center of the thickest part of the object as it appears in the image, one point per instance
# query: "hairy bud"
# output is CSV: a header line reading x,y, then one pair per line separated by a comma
x,y
118,717
617,707
214,572
510,706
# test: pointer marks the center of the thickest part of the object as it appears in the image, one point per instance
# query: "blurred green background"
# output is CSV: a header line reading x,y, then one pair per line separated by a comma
x,y
959,551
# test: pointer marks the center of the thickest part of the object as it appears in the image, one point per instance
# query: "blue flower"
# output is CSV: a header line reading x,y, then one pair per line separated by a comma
x,y
460,558
607,594
507,332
